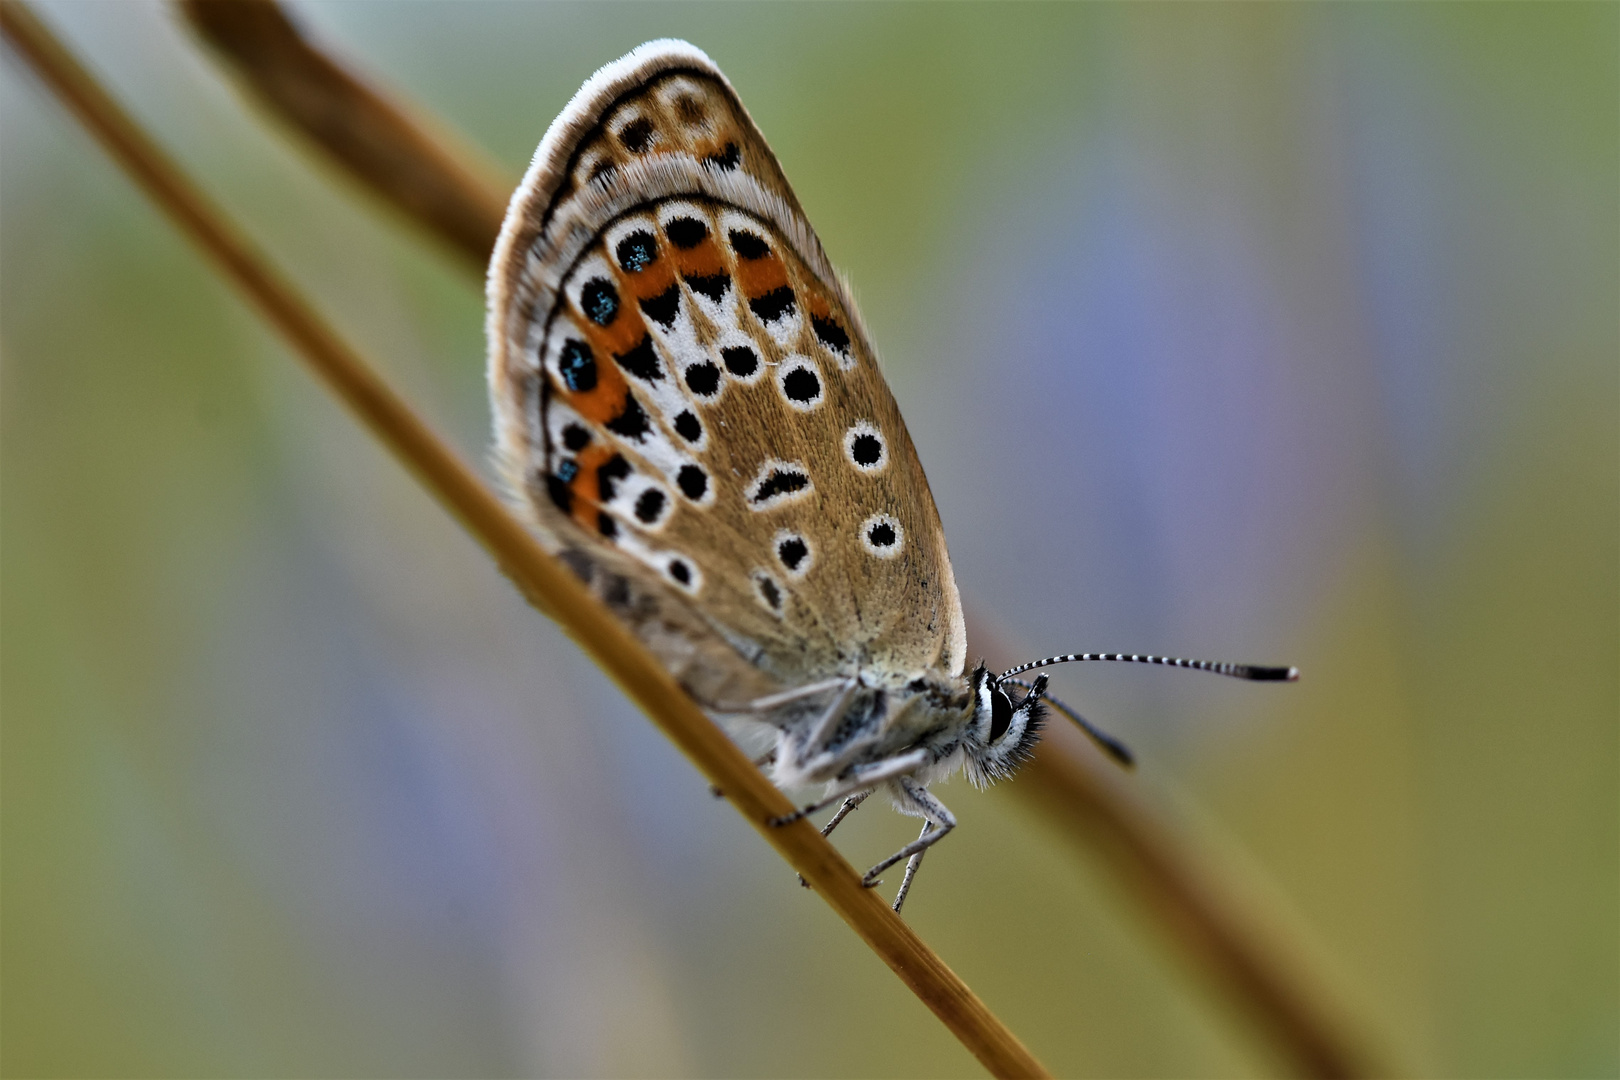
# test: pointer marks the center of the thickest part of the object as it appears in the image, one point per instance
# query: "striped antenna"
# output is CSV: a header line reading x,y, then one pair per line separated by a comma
x,y
1237,671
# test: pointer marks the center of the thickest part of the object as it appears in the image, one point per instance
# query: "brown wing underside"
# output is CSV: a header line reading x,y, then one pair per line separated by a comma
x,y
685,392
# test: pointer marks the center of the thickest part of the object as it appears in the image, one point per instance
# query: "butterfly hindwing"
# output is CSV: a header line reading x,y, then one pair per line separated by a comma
x,y
686,396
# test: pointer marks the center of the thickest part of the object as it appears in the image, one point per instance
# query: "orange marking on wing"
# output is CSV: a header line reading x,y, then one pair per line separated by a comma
x,y
650,281
605,400
703,260
584,488
716,147
756,277
617,337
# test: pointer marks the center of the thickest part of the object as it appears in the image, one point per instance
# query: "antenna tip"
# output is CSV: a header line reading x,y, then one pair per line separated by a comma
x,y
1113,748
1274,674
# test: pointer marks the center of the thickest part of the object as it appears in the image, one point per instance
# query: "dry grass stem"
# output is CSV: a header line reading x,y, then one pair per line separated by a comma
x,y
1067,782
540,577
410,161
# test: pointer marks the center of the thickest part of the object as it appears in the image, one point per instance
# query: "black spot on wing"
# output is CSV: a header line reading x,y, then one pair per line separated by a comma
x,y
713,286
801,385
747,245
740,360
769,592
881,535
578,366
685,232
608,476
637,135
690,109
642,361
650,505
557,489
693,482
792,551
782,481
687,426
606,525
773,305
831,334
726,159
866,449
575,437
703,379
600,301
631,423
663,308
680,571
637,251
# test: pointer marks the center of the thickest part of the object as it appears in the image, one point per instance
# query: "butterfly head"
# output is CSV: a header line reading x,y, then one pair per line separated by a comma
x,y
1001,733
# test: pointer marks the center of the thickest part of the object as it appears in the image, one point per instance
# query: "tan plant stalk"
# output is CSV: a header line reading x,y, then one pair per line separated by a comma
x,y
1067,782
390,148
540,577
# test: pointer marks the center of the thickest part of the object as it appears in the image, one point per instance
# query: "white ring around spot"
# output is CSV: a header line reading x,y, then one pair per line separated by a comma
x,y
793,363
874,522
858,429
804,564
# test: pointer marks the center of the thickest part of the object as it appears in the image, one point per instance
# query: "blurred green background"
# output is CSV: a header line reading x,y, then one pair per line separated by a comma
x,y
1283,333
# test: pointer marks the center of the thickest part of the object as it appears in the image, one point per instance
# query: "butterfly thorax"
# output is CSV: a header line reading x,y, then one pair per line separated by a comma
x,y
864,729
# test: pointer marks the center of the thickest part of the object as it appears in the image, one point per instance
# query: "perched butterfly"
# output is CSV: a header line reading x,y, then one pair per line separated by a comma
x,y
691,413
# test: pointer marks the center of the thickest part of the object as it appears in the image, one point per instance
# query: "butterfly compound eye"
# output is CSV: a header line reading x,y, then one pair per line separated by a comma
x,y
1001,713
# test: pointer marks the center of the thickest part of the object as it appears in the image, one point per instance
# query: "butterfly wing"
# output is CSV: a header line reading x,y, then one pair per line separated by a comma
x,y
687,404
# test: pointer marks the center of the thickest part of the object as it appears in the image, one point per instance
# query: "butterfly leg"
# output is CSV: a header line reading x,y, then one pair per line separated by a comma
x,y
843,812
931,809
873,775
833,763
772,701
829,720
911,868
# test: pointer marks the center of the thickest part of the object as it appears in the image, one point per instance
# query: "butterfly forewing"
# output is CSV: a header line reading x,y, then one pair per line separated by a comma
x,y
686,396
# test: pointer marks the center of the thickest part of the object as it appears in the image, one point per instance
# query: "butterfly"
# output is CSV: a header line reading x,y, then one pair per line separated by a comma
x,y
690,413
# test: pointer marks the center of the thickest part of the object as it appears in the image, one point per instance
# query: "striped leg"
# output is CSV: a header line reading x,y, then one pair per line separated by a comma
x,y
933,810
911,869
843,812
